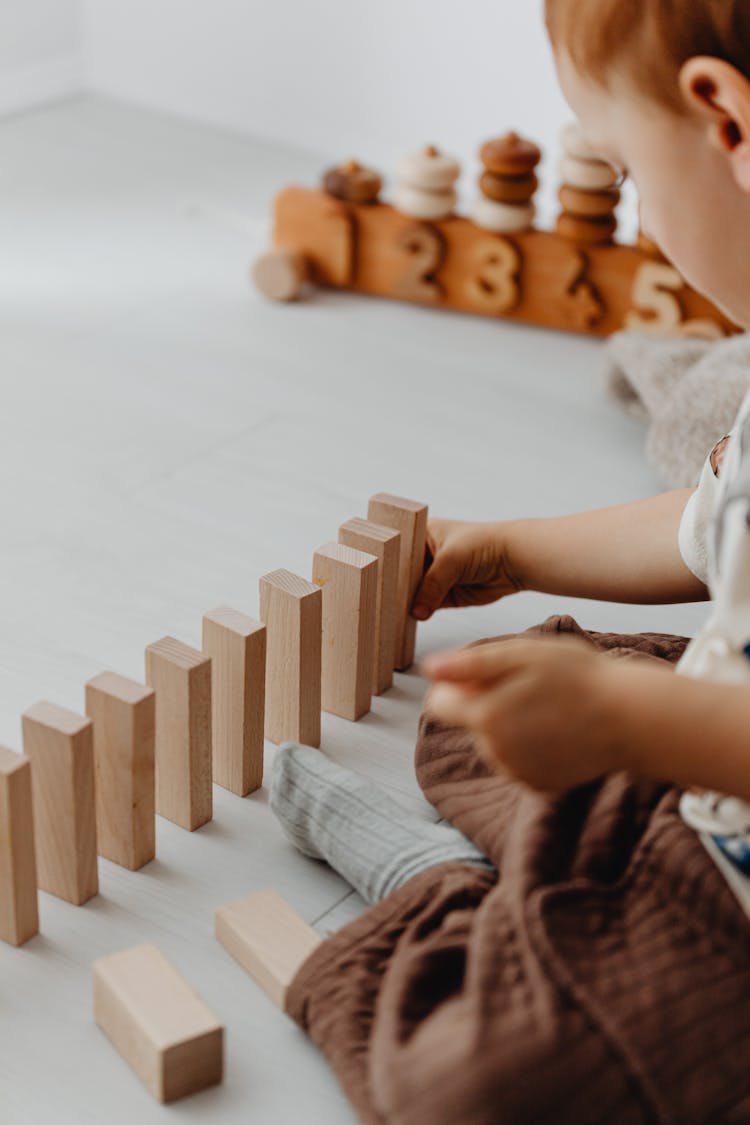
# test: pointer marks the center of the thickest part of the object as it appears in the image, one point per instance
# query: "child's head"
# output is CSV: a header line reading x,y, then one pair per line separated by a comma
x,y
662,88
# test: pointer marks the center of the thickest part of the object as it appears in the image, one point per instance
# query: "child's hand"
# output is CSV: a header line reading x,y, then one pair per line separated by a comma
x,y
543,711
469,565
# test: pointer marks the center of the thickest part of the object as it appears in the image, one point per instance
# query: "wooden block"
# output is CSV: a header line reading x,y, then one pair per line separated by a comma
x,y
123,715
268,938
61,748
385,544
410,518
181,678
237,647
291,608
160,1027
19,915
349,580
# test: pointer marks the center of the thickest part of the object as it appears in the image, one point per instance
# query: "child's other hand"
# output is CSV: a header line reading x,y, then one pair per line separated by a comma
x,y
469,564
543,711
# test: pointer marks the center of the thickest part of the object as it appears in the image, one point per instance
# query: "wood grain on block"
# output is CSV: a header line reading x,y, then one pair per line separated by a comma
x,y
349,581
160,1027
268,938
291,608
236,645
410,518
19,914
123,714
453,267
61,748
385,544
181,678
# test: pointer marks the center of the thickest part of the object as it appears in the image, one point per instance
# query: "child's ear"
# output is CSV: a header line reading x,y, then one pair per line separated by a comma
x,y
720,94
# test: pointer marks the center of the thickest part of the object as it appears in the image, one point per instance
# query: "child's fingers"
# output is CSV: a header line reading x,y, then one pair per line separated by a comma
x,y
441,576
452,705
483,663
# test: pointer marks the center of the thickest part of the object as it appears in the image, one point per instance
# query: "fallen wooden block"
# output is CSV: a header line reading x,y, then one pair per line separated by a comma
x,y
123,714
61,748
385,544
236,645
19,914
181,678
158,1024
410,518
349,580
268,938
291,608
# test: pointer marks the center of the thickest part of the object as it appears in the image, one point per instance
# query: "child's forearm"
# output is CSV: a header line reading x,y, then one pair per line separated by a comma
x,y
624,554
673,728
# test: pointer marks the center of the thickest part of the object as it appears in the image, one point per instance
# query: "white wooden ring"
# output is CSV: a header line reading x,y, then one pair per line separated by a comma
x,y
426,172
503,217
280,274
576,144
589,175
424,204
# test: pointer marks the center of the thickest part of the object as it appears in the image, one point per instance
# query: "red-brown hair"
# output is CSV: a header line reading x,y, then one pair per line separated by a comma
x,y
649,39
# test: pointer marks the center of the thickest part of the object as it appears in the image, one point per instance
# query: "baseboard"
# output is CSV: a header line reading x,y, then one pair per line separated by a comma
x,y
43,82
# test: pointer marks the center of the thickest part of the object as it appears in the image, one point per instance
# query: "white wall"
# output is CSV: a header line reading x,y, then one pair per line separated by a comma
x,y
40,51
344,76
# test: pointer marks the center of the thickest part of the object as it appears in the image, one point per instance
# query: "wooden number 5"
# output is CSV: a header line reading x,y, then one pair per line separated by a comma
x,y
654,298
495,288
426,249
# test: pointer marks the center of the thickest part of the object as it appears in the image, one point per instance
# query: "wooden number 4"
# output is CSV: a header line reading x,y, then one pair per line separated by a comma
x,y
495,288
658,309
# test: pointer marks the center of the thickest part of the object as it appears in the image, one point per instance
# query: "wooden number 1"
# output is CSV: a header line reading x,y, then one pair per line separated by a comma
x,y
426,249
495,288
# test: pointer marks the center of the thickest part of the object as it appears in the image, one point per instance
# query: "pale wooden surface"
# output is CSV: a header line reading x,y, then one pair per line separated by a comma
x,y
19,911
236,644
385,544
349,581
59,744
409,517
181,678
268,938
159,1025
123,715
168,437
291,608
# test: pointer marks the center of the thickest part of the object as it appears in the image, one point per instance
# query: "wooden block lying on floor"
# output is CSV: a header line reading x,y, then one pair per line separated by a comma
x,y
237,647
19,914
61,748
181,678
123,714
291,608
268,938
410,518
160,1027
385,544
349,580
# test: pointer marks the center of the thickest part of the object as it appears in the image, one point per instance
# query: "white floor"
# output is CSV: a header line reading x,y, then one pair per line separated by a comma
x,y
166,438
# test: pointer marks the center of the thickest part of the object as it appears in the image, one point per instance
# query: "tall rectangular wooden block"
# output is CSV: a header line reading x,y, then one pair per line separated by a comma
x,y
291,608
349,580
160,1027
61,748
19,915
237,647
385,544
123,714
181,678
268,938
410,518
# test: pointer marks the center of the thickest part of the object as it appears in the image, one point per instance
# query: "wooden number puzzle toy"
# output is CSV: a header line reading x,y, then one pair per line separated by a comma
x,y
167,1035
496,261
96,782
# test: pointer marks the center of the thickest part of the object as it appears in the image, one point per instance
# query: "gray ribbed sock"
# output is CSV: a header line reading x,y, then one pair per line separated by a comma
x,y
334,814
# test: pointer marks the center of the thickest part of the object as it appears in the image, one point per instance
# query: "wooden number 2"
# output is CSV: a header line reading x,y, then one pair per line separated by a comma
x,y
495,288
426,249
657,307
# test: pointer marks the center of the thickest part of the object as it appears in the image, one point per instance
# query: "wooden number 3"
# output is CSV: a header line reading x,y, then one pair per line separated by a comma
x,y
426,249
495,288
657,307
